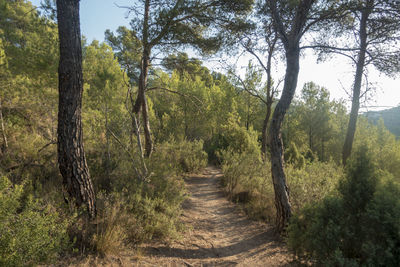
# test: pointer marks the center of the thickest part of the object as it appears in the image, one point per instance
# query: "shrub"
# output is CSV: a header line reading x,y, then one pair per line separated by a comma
x,y
233,137
247,180
183,156
31,232
312,183
141,212
111,224
137,211
294,157
358,226
154,208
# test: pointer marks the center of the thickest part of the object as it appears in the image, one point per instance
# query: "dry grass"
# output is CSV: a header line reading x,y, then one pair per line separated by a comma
x,y
111,228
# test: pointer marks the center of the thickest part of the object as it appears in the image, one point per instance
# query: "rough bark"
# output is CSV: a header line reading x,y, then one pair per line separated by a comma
x,y
71,156
355,103
282,201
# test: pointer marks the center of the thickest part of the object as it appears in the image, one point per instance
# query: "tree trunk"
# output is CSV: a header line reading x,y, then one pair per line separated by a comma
x,y
4,147
248,113
139,144
270,100
282,202
147,132
355,103
141,101
71,156
264,139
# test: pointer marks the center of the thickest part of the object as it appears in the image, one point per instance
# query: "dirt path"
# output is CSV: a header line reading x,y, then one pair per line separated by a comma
x,y
219,235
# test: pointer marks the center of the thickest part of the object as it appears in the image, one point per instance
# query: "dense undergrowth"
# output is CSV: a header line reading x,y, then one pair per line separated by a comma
x,y
247,177
34,229
31,231
341,217
357,226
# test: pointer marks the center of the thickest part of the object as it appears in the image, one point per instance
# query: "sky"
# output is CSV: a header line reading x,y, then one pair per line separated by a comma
x,y
336,74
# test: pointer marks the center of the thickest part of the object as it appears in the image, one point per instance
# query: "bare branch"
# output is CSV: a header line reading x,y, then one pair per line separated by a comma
x,y
127,152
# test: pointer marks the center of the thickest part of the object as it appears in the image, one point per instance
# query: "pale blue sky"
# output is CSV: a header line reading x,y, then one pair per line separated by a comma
x,y
99,15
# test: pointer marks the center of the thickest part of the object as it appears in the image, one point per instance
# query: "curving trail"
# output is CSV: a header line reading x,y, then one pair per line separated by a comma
x,y
220,234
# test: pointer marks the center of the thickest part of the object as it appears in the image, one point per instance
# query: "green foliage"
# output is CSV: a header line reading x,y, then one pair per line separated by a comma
x,y
157,211
190,107
383,146
31,231
252,96
316,125
294,157
137,213
183,156
134,211
234,138
247,179
312,183
144,210
190,103
357,226
185,65
127,48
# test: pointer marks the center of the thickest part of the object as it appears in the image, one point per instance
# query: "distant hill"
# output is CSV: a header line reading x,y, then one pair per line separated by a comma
x,y
391,118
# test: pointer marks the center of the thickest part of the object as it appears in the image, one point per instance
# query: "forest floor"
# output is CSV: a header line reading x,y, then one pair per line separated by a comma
x,y
219,234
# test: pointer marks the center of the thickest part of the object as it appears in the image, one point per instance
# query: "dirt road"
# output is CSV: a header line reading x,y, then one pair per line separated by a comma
x,y
220,234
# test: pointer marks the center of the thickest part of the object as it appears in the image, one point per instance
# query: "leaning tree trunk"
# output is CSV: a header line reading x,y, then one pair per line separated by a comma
x,y
355,103
141,101
282,203
270,100
71,156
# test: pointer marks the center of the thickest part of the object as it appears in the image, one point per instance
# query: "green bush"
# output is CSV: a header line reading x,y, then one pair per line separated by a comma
x,y
232,137
360,226
134,211
183,156
31,232
154,207
312,183
294,157
247,179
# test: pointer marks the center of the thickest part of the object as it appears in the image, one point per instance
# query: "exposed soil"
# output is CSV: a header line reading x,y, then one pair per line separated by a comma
x,y
220,234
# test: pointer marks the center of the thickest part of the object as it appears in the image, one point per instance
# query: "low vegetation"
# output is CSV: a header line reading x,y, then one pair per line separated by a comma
x,y
32,231
356,226
186,117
